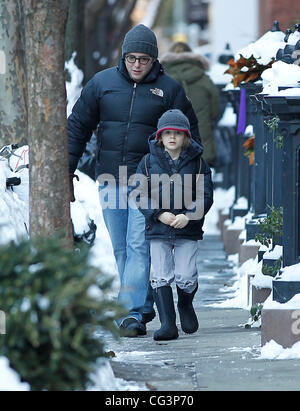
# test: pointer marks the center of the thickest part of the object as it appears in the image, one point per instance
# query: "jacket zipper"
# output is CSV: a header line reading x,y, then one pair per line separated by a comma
x,y
128,124
172,234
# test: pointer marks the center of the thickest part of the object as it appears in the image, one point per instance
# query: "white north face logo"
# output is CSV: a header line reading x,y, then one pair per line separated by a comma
x,y
157,92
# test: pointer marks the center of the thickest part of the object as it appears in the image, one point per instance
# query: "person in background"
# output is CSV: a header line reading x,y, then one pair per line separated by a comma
x,y
189,69
123,104
173,232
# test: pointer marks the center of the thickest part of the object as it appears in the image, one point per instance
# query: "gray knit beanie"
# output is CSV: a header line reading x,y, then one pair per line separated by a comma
x,y
140,39
173,120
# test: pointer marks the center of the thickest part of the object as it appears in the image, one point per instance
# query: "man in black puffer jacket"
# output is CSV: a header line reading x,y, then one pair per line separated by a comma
x,y
124,104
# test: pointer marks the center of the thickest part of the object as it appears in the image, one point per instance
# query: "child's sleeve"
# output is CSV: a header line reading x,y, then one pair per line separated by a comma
x,y
207,193
142,195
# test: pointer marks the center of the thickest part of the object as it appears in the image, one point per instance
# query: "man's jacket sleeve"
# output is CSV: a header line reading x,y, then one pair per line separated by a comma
x,y
81,123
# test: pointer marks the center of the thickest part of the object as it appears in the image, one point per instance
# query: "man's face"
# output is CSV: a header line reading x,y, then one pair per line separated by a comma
x,y
138,69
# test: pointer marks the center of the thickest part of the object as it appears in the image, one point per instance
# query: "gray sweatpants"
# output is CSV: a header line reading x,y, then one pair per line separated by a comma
x,y
174,259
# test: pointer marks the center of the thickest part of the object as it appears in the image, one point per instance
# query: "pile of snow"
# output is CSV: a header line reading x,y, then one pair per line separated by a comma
x,y
9,379
229,117
274,254
274,351
238,297
292,304
294,38
265,48
218,75
87,207
74,86
103,379
222,198
290,273
281,75
14,205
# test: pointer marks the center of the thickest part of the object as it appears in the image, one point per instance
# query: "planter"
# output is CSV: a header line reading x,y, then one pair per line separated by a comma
x,y
280,325
259,295
268,265
283,291
237,212
247,251
252,228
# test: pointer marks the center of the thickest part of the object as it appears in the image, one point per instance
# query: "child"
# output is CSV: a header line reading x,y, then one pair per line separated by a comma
x,y
173,235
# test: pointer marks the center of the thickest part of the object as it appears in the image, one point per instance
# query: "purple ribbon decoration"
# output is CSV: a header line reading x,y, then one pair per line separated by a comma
x,y
242,112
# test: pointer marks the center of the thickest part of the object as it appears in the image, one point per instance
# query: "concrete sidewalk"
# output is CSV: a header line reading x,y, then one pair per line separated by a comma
x,y
222,355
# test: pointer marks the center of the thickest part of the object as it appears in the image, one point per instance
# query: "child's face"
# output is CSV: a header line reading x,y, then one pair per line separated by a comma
x,y
173,140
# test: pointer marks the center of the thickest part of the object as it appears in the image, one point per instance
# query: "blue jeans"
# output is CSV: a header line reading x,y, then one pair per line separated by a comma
x,y
126,227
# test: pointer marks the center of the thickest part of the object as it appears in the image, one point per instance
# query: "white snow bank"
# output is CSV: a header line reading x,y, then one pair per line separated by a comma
x,y
293,38
292,304
289,92
280,74
274,351
290,273
103,379
239,289
241,204
74,86
229,117
238,224
9,379
218,75
265,48
261,280
14,212
222,198
274,254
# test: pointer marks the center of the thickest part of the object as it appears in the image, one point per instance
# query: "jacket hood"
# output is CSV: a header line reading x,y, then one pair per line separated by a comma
x,y
156,70
171,57
186,66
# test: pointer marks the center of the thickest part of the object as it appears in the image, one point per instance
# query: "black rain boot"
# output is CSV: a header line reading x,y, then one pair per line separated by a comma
x,y
188,318
147,317
163,297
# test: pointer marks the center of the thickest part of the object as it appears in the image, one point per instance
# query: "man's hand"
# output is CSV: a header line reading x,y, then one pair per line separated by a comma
x,y
166,218
72,197
180,221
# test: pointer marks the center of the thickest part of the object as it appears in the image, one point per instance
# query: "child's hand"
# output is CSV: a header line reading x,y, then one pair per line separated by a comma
x,y
166,218
180,221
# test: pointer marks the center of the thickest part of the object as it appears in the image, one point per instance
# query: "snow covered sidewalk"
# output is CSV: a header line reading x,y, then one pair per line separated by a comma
x,y
222,355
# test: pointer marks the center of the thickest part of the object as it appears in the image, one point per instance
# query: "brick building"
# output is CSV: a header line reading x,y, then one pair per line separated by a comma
x,y
287,12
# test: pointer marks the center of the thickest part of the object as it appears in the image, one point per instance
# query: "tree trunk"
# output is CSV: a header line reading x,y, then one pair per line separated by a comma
x,y
13,109
45,24
75,33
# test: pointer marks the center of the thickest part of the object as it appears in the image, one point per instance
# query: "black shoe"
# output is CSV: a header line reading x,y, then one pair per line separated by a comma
x,y
130,327
188,318
163,297
147,317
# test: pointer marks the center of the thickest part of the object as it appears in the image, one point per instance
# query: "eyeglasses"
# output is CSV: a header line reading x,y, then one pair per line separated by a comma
x,y
142,60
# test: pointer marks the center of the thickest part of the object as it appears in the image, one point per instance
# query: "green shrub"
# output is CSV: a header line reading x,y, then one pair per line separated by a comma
x,y
270,227
51,313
